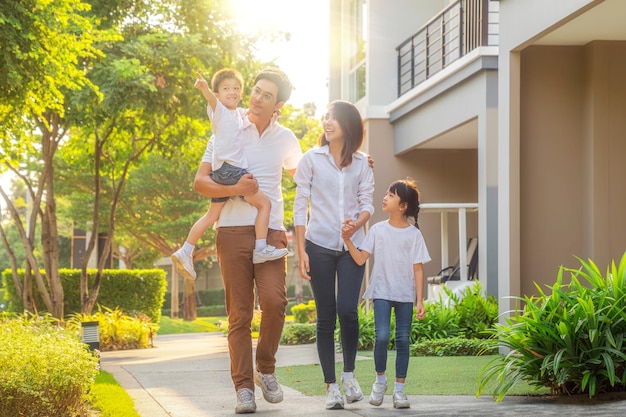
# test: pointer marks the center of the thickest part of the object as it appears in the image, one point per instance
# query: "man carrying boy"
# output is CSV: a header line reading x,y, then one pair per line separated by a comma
x,y
269,148
229,164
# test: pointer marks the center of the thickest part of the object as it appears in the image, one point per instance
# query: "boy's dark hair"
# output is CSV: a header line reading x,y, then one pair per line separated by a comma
x,y
349,118
279,78
407,190
225,74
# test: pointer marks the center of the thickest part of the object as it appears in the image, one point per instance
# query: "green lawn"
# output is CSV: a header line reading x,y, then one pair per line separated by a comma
x,y
453,375
110,398
200,325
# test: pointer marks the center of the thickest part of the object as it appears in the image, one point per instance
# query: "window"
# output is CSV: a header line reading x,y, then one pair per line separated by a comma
x,y
357,43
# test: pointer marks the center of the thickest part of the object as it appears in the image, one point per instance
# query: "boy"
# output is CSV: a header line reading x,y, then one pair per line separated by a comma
x,y
229,165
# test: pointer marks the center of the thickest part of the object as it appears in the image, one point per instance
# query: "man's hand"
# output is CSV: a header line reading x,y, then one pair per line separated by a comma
x,y
370,161
247,185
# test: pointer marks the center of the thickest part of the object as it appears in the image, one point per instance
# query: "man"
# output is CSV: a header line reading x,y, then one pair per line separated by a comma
x,y
269,148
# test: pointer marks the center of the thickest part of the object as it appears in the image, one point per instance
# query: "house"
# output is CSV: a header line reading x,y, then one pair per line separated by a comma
x,y
516,107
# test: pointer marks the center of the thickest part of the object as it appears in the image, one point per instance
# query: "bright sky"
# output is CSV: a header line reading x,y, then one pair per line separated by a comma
x,y
305,57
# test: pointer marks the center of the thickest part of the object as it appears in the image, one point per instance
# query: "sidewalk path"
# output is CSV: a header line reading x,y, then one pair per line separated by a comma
x,y
189,376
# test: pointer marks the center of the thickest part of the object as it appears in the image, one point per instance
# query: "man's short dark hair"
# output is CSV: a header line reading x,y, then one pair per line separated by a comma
x,y
279,78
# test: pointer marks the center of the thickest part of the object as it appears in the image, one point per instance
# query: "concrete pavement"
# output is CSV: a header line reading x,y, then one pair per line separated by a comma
x,y
189,376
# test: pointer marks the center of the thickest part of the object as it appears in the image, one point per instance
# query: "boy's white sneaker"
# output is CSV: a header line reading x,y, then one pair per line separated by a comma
x,y
352,390
334,399
378,393
184,264
269,253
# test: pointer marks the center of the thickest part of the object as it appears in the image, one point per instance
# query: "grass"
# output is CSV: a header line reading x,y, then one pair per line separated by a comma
x,y
199,325
110,399
450,375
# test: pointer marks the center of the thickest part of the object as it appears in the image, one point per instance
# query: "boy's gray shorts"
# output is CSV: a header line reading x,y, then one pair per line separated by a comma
x,y
227,174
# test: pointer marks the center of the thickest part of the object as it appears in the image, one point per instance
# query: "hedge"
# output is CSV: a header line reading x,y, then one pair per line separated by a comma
x,y
134,291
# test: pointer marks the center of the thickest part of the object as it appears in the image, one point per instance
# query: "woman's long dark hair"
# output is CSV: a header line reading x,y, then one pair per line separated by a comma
x,y
407,190
351,124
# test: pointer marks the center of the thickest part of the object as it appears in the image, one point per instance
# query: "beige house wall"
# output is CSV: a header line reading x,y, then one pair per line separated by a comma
x,y
443,176
572,141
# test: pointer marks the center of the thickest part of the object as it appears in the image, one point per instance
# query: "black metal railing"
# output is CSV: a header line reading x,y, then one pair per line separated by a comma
x,y
455,31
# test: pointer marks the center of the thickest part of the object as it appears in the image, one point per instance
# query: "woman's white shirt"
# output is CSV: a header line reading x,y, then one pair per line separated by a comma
x,y
330,195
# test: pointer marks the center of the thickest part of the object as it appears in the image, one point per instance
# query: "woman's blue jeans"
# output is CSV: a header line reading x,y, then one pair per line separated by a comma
x,y
382,322
336,282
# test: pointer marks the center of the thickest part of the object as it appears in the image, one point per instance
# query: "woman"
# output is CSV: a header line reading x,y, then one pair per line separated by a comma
x,y
336,183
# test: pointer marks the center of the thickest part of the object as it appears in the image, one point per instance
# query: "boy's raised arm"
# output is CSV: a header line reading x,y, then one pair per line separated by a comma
x,y
203,85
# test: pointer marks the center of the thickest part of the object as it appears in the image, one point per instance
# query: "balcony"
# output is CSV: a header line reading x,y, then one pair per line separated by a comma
x,y
457,30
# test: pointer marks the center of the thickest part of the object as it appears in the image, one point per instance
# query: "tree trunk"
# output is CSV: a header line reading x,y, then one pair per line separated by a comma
x,y
190,303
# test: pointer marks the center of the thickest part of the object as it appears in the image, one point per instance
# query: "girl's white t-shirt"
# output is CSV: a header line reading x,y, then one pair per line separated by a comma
x,y
395,252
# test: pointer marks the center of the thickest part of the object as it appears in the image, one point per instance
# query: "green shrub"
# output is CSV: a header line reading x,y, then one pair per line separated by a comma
x,y
475,312
298,334
130,290
455,346
304,313
45,370
440,322
119,331
571,340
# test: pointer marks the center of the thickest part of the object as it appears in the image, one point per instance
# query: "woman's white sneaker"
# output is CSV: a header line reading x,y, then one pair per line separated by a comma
x,y
352,390
334,399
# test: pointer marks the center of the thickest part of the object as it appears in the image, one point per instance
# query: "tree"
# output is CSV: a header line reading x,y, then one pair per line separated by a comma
x,y
44,49
148,106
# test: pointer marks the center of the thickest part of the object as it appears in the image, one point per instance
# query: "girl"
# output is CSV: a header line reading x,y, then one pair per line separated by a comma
x,y
337,182
397,281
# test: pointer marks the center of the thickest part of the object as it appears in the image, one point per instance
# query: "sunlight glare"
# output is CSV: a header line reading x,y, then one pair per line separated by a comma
x,y
304,57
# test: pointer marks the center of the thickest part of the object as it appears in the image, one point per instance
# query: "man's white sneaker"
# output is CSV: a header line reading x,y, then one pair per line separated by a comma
x,y
378,393
269,253
352,390
400,400
184,264
334,399
245,401
272,392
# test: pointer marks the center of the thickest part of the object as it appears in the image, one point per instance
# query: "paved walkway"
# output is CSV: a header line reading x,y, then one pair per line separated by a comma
x,y
188,376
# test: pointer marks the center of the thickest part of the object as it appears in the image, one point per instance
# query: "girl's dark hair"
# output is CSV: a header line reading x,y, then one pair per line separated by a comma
x,y
351,125
407,190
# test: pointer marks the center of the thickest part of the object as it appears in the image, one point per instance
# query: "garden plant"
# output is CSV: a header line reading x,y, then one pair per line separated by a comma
x,y
570,340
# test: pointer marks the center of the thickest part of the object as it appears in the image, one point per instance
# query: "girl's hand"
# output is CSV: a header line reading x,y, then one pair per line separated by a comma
x,y
419,311
303,265
348,229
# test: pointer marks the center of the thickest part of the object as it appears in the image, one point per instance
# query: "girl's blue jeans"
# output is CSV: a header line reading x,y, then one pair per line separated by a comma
x,y
336,282
382,322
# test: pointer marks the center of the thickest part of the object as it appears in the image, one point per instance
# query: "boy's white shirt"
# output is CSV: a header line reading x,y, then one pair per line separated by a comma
x,y
227,126
276,149
395,252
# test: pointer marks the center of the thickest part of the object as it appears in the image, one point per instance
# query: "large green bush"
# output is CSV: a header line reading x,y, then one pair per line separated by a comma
x,y
133,291
45,370
571,340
